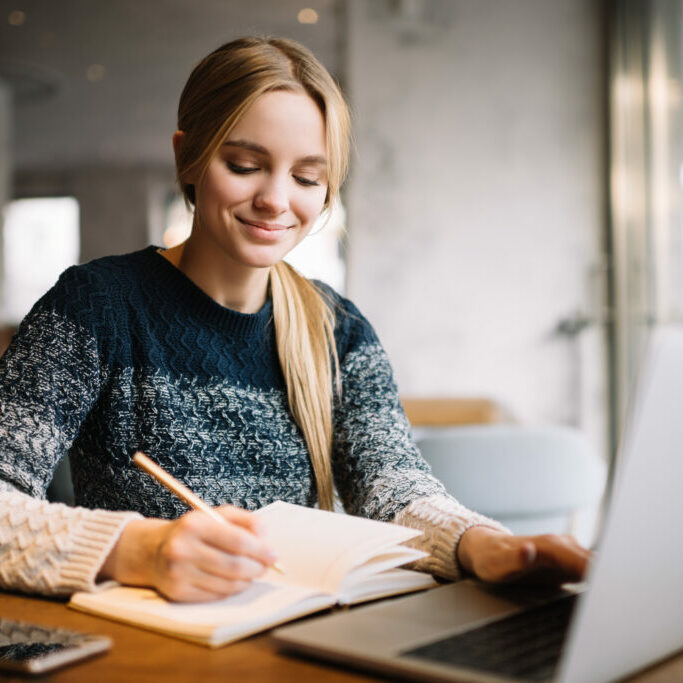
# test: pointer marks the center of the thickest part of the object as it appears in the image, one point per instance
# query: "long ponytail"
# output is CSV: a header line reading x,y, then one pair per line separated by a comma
x,y
304,332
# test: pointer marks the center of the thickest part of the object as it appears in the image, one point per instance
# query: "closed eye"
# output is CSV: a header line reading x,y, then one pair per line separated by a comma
x,y
306,181
241,170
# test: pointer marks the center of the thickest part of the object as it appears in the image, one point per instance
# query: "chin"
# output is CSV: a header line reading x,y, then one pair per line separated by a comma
x,y
256,260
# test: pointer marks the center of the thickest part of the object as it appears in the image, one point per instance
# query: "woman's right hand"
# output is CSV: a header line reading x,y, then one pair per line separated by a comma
x,y
193,558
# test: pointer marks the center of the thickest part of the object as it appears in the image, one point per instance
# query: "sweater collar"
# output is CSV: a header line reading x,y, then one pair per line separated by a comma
x,y
178,287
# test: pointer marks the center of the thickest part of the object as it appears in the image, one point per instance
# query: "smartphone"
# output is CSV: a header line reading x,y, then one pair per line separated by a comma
x,y
33,649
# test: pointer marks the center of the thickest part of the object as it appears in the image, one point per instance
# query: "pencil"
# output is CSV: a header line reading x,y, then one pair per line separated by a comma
x,y
172,484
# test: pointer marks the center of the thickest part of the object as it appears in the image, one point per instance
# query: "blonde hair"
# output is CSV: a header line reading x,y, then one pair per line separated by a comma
x,y
218,92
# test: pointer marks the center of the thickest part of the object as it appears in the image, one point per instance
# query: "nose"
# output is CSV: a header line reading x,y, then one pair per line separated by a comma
x,y
272,195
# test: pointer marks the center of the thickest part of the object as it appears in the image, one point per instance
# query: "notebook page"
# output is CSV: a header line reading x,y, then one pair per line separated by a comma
x,y
317,548
259,606
391,582
395,557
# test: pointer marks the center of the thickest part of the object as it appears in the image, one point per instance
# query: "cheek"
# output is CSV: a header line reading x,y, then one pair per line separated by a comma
x,y
230,190
311,205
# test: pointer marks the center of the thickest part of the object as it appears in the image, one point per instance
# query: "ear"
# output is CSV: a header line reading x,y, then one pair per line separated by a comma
x,y
180,139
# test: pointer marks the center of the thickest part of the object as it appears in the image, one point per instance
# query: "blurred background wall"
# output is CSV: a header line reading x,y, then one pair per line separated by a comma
x,y
475,206
504,195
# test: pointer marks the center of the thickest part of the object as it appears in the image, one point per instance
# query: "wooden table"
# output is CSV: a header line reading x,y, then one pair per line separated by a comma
x,y
139,655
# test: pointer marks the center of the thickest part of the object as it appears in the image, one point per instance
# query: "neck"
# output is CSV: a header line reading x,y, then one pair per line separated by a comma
x,y
230,284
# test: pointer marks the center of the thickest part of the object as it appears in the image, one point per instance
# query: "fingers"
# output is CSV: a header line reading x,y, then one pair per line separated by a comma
x,y
257,548
547,559
211,588
528,555
234,538
513,558
550,560
244,518
226,566
199,558
562,554
198,586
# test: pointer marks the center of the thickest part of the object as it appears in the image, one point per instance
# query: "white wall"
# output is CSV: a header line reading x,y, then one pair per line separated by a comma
x,y
475,203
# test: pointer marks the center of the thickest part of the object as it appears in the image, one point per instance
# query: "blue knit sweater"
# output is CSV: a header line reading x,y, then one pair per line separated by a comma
x,y
126,353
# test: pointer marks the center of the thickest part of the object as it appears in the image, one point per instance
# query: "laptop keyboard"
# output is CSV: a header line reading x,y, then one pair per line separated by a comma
x,y
526,645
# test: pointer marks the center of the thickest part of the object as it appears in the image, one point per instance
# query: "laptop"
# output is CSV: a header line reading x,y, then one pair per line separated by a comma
x,y
629,616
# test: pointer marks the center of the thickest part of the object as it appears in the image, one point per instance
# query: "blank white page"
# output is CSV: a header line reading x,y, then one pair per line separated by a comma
x,y
317,548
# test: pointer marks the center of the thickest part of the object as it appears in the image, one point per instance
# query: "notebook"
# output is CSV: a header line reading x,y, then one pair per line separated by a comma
x,y
630,616
327,558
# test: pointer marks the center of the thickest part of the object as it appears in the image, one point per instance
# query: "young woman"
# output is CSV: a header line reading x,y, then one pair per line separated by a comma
x,y
236,374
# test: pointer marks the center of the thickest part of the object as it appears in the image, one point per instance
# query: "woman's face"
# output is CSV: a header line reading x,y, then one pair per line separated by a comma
x,y
266,185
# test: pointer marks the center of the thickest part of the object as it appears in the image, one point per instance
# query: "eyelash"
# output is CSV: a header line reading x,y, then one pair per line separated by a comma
x,y
241,170
246,170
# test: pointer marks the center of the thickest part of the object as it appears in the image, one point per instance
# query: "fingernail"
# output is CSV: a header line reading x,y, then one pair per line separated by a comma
x,y
529,553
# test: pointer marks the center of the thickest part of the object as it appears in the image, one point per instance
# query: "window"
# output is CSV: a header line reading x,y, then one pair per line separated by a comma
x,y
40,239
178,222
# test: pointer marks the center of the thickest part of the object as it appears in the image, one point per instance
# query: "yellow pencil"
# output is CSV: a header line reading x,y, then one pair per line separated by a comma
x,y
172,484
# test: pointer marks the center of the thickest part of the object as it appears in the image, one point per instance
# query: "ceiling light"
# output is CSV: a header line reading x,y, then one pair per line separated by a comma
x,y
95,73
307,16
16,18
47,39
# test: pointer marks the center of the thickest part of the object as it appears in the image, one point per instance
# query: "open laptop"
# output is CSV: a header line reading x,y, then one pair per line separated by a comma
x,y
630,616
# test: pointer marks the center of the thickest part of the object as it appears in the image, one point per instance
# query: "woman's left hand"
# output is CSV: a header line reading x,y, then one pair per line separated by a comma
x,y
497,557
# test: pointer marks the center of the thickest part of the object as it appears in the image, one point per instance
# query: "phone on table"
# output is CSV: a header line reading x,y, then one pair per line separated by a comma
x,y
33,649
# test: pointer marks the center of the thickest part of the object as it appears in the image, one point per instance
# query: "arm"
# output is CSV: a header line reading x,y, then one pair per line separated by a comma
x,y
378,470
193,558
379,473
51,548
54,549
49,378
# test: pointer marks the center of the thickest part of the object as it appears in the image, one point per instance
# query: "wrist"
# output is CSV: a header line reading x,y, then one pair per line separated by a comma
x,y
470,544
131,560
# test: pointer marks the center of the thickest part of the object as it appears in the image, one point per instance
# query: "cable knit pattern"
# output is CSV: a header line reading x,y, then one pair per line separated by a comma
x,y
442,521
52,548
372,441
126,353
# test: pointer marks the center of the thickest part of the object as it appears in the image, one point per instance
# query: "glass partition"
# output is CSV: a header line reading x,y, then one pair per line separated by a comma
x,y
646,180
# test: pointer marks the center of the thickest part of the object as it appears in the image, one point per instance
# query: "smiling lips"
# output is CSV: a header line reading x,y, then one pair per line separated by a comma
x,y
270,227
263,232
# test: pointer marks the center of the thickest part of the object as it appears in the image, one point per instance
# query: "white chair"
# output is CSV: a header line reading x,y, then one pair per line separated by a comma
x,y
532,479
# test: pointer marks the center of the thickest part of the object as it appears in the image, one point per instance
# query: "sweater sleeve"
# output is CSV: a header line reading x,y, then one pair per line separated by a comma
x,y
49,379
51,548
379,472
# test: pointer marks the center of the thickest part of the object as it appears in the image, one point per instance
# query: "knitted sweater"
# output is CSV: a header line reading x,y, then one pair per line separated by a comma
x,y
126,353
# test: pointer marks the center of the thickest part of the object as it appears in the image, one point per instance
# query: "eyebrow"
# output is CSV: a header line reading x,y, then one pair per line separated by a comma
x,y
253,147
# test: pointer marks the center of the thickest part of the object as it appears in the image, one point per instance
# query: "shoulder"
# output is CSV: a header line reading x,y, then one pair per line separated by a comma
x,y
352,329
109,275
90,289
107,271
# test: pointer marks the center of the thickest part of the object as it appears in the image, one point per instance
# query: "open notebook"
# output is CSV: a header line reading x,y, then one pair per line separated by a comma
x,y
327,558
